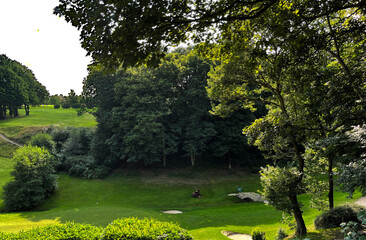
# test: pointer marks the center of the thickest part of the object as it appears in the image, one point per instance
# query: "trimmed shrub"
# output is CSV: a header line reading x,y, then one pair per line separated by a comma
x,y
128,228
67,231
334,217
33,180
56,106
133,229
257,234
42,140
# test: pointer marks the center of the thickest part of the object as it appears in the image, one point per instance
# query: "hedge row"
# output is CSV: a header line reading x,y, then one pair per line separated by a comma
x,y
127,228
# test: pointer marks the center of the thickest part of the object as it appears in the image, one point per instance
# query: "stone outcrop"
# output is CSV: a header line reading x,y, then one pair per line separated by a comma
x,y
249,196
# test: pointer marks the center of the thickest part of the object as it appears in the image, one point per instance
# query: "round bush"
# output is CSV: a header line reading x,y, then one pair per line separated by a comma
x,y
133,229
67,231
334,217
56,106
33,181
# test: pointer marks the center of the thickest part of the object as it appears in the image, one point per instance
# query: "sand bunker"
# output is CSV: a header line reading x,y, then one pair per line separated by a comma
x,y
172,212
236,236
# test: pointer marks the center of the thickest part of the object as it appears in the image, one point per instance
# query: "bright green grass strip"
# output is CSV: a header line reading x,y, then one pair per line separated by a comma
x,y
45,116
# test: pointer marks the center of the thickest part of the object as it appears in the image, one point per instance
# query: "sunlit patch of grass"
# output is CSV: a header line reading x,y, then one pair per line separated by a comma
x,y
44,116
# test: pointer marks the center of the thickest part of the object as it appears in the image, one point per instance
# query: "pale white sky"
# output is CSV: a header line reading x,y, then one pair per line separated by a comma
x,y
31,34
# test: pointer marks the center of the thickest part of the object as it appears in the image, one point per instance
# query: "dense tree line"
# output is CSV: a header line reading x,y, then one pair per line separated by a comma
x,y
71,100
304,60
159,115
19,87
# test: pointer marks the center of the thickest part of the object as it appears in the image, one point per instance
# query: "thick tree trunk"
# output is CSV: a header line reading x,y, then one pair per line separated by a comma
x,y
300,224
330,176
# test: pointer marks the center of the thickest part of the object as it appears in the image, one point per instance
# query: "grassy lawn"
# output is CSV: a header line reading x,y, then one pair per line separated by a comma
x,y
41,117
146,194
142,193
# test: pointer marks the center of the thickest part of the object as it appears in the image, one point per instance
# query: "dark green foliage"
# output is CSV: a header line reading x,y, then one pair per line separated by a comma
x,y
66,105
334,217
75,105
257,234
59,135
33,181
43,140
56,106
67,231
133,228
73,151
84,167
281,234
352,177
280,186
151,116
355,230
78,142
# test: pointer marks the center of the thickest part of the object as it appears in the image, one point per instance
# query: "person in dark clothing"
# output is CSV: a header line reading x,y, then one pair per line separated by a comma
x,y
196,194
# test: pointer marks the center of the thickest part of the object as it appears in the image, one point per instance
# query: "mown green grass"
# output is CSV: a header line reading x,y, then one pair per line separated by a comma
x,y
131,193
146,194
44,116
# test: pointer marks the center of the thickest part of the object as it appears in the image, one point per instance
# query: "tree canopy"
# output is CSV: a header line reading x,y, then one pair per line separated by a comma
x,y
133,32
303,60
18,87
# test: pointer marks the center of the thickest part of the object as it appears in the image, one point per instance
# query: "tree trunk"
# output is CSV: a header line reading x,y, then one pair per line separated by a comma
x,y
2,112
330,175
300,224
26,107
193,159
164,160
164,151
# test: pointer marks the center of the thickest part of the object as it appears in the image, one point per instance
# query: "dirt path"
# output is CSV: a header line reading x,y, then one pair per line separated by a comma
x,y
10,141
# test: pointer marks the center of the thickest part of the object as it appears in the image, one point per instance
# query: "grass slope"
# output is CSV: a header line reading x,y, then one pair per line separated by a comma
x,y
144,193
41,117
147,194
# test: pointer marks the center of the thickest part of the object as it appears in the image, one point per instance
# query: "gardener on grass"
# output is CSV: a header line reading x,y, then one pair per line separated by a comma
x,y
196,194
